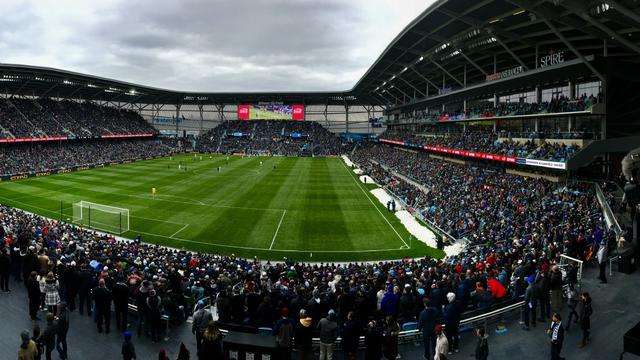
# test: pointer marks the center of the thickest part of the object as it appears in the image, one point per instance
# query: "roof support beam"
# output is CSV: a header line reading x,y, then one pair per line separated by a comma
x,y
392,95
506,48
49,90
617,37
473,63
446,72
402,92
413,87
384,99
574,50
424,78
624,10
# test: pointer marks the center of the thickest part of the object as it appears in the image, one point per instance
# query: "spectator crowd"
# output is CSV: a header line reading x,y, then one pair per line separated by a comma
x,y
38,118
487,141
271,137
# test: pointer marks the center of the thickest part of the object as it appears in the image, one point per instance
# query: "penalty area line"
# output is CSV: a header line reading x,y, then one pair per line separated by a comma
x,y
176,233
277,229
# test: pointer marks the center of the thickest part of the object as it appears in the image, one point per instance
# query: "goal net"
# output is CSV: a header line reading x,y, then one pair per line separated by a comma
x,y
101,217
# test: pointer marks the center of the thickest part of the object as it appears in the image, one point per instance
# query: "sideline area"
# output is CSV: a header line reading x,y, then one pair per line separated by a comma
x,y
412,225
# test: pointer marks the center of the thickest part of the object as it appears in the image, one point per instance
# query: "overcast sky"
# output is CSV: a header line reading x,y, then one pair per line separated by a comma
x,y
207,45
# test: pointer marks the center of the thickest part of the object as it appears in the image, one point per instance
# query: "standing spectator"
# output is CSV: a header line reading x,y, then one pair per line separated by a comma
x,y
572,301
373,339
63,329
49,336
28,349
351,336
85,284
556,335
530,303
328,335
303,336
390,339
211,347
33,291
37,338
128,350
452,321
5,270
201,319
442,344
52,293
555,283
155,313
482,344
427,324
542,283
70,280
162,355
283,331
585,317
102,299
602,262
183,353
121,303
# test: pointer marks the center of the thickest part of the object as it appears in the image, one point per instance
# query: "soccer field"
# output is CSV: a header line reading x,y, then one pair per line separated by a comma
x,y
308,209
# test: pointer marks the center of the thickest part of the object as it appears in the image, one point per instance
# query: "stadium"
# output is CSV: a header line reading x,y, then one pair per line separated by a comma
x,y
474,193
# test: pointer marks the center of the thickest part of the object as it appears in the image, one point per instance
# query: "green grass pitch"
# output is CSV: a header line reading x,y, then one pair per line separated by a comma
x,y
308,209
257,114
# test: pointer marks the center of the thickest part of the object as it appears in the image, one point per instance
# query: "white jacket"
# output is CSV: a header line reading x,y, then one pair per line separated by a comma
x,y
442,347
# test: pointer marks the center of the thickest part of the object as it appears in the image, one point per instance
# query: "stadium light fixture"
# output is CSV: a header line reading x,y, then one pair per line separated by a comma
x,y
519,12
421,58
384,83
66,82
392,77
405,69
494,21
91,85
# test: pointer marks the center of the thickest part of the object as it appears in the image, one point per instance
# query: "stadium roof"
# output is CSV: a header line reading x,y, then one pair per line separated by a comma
x,y
452,45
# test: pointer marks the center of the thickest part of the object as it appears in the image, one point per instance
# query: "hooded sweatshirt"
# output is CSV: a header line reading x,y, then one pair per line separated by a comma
x,y
303,333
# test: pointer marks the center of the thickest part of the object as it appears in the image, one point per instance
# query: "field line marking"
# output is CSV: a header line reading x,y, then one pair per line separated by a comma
x,y
374,205
255,248
278,229
176,233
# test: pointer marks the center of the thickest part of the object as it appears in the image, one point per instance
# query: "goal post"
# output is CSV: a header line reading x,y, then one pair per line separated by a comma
x,y
101,217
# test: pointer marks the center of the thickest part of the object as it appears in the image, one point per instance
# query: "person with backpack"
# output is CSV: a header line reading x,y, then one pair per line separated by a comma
x,y
572,301
201,319
283,331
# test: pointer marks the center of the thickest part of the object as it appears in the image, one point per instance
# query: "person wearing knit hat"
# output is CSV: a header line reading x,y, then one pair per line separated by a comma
x,y
328,334
442,344
28,348
128,350
283,331
531,297
201,320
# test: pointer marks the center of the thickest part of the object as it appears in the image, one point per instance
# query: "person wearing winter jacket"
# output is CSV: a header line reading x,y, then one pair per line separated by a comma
x,y
303,336
283,331
452,322
482,344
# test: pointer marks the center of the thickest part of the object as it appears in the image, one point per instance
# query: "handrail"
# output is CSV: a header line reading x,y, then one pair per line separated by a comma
x,y
606,211
409,335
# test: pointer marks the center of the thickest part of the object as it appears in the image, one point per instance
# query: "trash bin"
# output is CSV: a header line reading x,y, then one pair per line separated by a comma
x,y
627,261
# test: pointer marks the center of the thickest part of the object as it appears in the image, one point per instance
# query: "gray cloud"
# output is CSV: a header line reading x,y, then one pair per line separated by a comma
x,y
209,45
